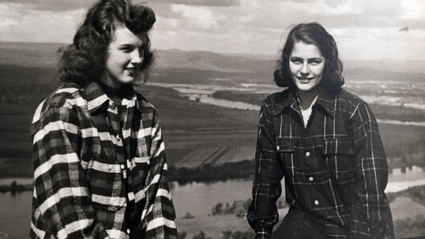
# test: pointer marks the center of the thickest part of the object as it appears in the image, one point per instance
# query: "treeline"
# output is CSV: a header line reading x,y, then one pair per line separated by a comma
x,y
413,154
212,173
417,194
239,208
14,187
245,170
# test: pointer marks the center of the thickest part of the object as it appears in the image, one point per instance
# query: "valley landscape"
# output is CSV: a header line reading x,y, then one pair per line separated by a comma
x,y
207,143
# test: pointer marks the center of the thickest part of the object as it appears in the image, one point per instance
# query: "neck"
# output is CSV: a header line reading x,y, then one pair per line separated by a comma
x,y
306,98
115,94
109,82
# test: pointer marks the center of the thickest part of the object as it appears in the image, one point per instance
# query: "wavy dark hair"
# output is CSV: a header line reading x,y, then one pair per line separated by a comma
x,y
311,33
85,59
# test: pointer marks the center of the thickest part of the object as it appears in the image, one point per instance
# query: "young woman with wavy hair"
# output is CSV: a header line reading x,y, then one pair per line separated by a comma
x,y
99,161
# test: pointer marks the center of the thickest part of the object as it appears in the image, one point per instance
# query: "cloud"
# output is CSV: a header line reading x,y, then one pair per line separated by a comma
x,y
196,17
379,43
413,10
18,22
209,3
52,5
8,16
261,26
362,28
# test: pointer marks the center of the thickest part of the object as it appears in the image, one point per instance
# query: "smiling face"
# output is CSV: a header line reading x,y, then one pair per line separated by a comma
x,y
125,57
306,64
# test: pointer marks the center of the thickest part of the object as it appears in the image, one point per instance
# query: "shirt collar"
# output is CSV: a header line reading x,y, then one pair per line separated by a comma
x,y
283,100
327,102
96,96
142,103
287,99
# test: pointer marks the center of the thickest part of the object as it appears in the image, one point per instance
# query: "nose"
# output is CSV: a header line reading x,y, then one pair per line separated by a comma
x,y
304,69
136,57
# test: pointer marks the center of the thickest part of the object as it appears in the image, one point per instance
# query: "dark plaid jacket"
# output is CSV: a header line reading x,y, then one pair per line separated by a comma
x,y
85,174
335,169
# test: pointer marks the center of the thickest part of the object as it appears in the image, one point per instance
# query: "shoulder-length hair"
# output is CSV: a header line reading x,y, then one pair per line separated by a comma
x,y
85,59
311,33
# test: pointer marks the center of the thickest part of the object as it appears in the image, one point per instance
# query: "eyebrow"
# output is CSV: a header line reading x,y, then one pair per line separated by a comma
x,y
143,45
300,58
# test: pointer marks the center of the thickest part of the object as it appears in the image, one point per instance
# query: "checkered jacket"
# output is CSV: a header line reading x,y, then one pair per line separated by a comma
x,y
84,175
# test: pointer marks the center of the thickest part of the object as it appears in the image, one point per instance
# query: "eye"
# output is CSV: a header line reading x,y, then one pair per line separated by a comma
x,y
127,48
315,61
296,60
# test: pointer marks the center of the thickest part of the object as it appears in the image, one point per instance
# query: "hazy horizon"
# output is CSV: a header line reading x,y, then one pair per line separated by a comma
x,y
364,30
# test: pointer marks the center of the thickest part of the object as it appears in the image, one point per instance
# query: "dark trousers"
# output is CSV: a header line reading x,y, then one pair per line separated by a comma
x,y
137,233
298,225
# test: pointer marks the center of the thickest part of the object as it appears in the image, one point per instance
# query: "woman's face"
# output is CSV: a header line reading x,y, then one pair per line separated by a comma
x,y
306,64
125,57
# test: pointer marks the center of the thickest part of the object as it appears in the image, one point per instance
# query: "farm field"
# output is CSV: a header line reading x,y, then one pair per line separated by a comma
x,y
198,134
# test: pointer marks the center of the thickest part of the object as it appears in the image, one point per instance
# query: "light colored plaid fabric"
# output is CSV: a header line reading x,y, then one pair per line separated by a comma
x,y
87,173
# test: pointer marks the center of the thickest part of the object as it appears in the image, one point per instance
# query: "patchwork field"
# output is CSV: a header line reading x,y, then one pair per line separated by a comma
x,y
198,134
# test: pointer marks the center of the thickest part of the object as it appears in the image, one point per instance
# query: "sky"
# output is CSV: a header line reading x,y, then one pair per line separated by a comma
x,y
363,29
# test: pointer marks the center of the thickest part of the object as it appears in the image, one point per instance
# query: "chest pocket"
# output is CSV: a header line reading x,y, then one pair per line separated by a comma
x,y
339,156
105,180
286,149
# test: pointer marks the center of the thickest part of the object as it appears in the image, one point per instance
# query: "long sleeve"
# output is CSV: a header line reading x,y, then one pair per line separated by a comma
x,y
61,202
370,216
159,210
262,213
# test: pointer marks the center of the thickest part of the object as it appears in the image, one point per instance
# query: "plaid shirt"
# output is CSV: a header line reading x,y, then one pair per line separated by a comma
x,y
91,165
335,168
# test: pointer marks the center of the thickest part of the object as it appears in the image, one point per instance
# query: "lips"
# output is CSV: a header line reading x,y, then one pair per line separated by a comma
x,y
304,80
131,71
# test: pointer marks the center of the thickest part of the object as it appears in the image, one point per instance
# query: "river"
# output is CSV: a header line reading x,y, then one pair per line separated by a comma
x,y
203,94
194,198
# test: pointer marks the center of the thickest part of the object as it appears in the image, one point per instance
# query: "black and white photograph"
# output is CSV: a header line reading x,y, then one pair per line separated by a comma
x,y
221,119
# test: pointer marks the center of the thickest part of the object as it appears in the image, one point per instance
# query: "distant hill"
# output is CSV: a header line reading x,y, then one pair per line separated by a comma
x,y
27,73
203,60
254,66
29,54
45,54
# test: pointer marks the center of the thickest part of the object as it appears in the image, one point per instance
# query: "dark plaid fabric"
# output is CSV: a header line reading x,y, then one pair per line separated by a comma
x,y
299,225
91,165
335,169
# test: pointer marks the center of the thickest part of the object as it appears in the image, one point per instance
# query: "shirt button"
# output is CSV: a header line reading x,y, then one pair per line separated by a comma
x,y
310,179
277,147
128,231
316,202
307,154
122,166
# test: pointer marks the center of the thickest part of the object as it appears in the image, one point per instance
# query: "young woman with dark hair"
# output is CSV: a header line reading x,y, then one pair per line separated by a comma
x,y
325,142
99,160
